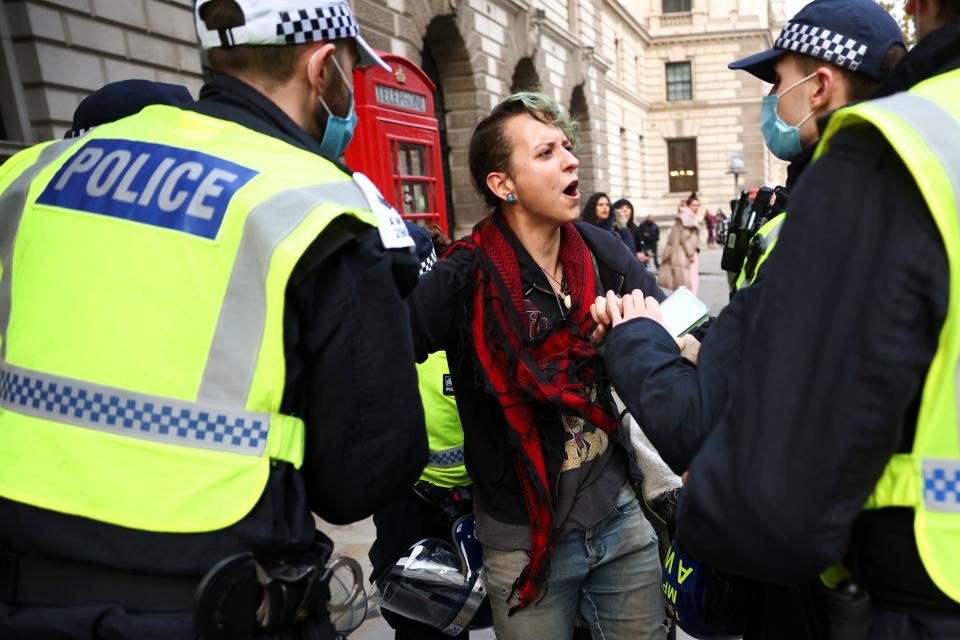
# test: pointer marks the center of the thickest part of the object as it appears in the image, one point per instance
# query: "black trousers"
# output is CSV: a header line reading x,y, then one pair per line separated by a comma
x,y
399,526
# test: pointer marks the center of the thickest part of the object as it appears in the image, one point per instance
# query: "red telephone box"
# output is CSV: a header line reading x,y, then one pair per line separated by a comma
x,y
397,141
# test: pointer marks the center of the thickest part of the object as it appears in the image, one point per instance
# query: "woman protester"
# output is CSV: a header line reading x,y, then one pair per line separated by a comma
x,y
560,523
678,266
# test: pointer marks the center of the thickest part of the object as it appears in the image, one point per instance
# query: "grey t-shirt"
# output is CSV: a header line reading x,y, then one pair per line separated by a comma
x,y
591,475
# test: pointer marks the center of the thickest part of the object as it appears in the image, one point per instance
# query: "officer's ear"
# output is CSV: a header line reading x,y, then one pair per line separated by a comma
x,y
829,92
319,73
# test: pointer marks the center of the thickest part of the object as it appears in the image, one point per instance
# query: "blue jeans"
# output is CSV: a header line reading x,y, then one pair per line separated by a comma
x,y
610,573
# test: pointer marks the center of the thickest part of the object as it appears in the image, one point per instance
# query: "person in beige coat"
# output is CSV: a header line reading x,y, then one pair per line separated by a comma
x,y
678,266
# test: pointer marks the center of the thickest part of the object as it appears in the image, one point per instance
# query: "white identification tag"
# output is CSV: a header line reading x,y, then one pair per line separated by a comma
x,y
393,232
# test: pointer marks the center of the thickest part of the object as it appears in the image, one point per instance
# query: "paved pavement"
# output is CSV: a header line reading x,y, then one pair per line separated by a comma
x,y
714,289
355,539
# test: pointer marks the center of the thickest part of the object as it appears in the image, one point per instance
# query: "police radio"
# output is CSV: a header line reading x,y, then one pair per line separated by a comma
x,y
735,249
747,220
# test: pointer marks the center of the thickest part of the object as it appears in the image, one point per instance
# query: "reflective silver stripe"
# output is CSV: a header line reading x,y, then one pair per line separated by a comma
x,y
137,415
12,203
773,234
446,458
236,343
940,131
941,485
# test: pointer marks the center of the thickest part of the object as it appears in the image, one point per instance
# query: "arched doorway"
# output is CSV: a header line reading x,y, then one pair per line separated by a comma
x,y
585,148
525,77
446,61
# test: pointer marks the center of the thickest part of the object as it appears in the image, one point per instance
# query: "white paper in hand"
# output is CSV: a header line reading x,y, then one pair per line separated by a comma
x,y
683,311
393,232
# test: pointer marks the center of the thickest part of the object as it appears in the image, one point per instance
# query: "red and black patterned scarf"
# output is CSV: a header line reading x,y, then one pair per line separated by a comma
x,y
556,371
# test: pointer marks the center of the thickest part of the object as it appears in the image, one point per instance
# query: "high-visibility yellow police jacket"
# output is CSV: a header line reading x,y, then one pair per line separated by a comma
x,y
445,466
144,269
767,237
923,127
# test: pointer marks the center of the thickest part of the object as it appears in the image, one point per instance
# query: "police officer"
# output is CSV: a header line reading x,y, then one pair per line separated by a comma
x,y
203,340
441,494
679,404
841,441
810,79
690,400
123,98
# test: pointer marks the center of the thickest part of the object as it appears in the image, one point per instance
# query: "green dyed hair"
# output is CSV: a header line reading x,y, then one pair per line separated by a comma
x,y
489,146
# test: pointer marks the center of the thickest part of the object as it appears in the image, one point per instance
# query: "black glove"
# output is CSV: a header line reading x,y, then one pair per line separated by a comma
x,y
665,507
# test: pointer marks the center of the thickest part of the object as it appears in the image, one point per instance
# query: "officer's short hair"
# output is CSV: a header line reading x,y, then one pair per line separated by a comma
x,y
275,62
859,86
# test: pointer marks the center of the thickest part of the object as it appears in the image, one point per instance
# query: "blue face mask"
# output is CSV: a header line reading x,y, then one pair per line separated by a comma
x,y
782,139
339,130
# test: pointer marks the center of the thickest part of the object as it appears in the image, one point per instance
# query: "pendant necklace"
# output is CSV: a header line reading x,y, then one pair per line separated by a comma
x,y
567,302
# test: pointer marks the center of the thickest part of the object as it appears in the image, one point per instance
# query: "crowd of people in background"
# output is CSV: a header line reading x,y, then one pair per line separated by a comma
x,y
680,256
525,380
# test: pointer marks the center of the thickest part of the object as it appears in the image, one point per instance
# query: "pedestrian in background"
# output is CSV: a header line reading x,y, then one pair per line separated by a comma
x,y
679,264
510,304
711,222
623,223
722,225
623,209
598,212
205,304
649,238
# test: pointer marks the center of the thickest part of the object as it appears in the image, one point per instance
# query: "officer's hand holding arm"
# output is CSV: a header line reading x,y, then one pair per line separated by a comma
x,y
662,389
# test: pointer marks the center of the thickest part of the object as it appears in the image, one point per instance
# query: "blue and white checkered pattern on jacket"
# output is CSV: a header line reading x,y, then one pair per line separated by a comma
x,y
130,414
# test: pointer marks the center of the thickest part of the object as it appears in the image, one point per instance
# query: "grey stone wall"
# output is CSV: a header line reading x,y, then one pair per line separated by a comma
x,y
64,49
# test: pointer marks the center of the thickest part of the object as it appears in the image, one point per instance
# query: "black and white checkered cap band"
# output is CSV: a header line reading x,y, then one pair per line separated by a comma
x,y
321,24
427,263
822,43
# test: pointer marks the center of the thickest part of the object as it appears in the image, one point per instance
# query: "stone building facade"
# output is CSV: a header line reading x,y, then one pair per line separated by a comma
x,y
660,113
55,52
607,61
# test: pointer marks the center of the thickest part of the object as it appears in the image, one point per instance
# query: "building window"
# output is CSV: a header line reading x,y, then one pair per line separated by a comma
x,y
682,161
679,82
676,6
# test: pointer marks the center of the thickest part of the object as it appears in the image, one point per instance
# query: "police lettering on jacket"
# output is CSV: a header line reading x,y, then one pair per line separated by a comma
x,y
149,183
